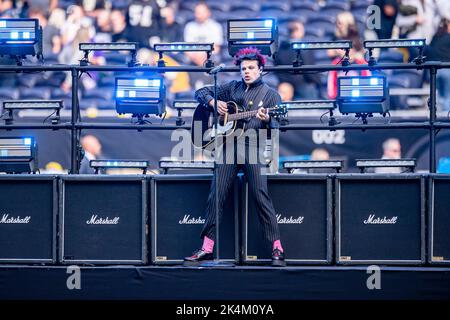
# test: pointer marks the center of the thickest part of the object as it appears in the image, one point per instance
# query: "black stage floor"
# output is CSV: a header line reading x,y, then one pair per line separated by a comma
x,y
20,282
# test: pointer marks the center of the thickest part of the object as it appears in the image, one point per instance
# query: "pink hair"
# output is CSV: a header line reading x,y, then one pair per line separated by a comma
x,y
249,54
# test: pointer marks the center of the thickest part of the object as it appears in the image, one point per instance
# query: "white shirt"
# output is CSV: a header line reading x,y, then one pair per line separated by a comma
x,y
209,31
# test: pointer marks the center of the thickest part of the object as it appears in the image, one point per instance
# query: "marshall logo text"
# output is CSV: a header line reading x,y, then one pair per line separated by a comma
x,y
5,219
377,220
188,220
95,220
290,220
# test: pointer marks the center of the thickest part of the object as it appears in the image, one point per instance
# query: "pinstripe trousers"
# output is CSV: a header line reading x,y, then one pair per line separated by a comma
x,y
257,183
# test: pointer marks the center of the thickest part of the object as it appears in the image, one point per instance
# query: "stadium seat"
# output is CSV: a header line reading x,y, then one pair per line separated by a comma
x,y
389,56
275,7
415,77
34,93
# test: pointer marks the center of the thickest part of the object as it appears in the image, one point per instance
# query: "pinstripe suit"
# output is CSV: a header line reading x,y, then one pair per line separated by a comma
x,y
237,91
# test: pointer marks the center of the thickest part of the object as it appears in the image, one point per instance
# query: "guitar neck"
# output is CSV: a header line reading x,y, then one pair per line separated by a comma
x,y
243,115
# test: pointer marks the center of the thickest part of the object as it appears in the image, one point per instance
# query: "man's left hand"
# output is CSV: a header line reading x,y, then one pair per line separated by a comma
x,y
262,114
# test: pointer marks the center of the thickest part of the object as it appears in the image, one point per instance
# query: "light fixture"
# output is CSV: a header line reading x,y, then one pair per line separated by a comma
x,y
180,105
140,96
298,46
363,164
329,105
161,48
20,38
395,43
167,163
113,46
18,155
119,164
313,164
363,95
11,105
259,33
310,105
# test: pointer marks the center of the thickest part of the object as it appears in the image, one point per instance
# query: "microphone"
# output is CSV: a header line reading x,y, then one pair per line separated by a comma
x,y
217,69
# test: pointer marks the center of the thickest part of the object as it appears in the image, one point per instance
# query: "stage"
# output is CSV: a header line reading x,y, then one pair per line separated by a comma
x,y
20,282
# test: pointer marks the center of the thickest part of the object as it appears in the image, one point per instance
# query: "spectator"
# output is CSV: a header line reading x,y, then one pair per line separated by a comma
x,y
417,19
119,28
103,26
144,22
320,154
198,80
51,40
306,86
286,91
92,151
204,28
391,150
389,10
345,29
173,31
439,50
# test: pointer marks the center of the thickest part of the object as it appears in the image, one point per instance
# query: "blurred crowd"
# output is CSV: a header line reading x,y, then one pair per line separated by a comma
x,y
67,23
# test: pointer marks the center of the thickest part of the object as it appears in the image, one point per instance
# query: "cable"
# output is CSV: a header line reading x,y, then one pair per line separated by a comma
x,y
164,117
389,118
4,113
321,117
49,116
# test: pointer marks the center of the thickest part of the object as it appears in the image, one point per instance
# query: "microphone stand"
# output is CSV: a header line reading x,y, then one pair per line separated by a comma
x,y
216,261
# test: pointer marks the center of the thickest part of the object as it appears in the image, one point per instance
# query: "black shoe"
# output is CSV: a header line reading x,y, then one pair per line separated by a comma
x,y
197,257
278,258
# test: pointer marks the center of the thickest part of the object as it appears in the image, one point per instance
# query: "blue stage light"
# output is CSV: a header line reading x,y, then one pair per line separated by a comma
x,y
259,33
20,37
363,95
140,96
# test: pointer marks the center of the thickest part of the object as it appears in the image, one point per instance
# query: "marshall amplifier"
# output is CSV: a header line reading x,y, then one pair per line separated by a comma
x,y
103,219
303,206
28,207
380,219
439,219
178,214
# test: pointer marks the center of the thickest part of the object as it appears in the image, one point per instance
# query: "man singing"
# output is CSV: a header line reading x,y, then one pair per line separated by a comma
x,y
252,94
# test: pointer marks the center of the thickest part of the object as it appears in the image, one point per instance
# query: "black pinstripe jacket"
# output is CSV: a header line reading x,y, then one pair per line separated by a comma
x,y
237,91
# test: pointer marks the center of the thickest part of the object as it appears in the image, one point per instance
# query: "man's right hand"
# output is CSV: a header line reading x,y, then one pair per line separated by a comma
x,y
222,107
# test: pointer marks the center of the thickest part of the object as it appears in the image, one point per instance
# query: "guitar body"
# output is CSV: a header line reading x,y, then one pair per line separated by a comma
x,y
203,134
202,128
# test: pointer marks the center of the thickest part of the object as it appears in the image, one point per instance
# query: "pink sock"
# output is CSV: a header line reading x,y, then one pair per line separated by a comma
x,y
277,245
208,245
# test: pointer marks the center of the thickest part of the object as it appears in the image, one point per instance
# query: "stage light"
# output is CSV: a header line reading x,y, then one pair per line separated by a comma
x,y
313,164
180,105
161,48
12,105
119,164
259,33
18,155
183,47
167,163
298,46
309,105
113,46
20,37
395,43
321,45
363,95
363,164
140,96
185,104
